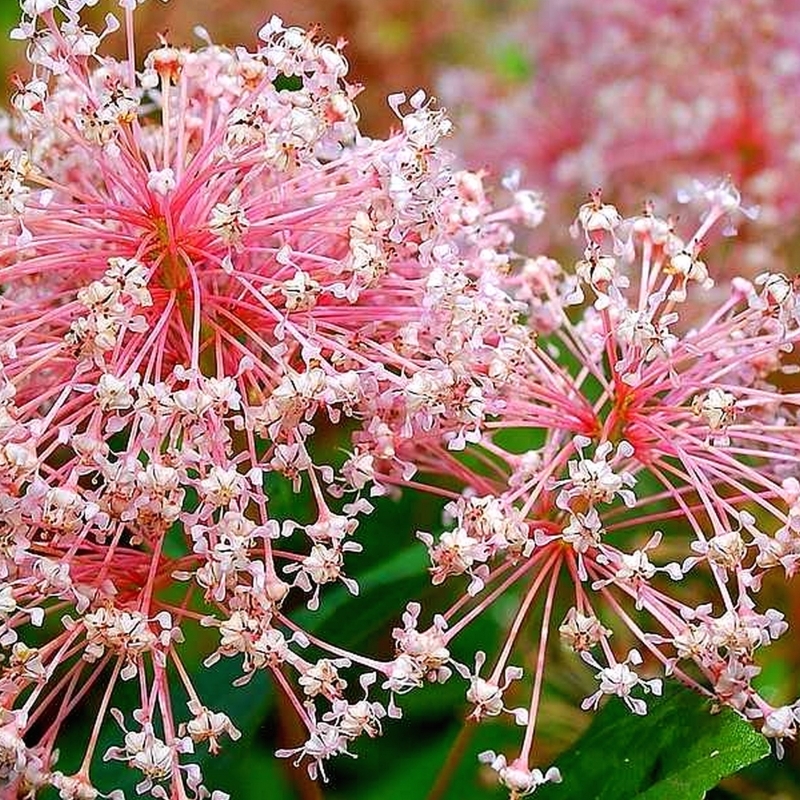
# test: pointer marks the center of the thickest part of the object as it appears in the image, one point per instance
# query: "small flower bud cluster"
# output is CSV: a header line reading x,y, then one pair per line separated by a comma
x,y
93,335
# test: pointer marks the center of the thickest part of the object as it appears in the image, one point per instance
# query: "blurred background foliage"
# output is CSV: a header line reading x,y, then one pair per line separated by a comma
x,y
400,45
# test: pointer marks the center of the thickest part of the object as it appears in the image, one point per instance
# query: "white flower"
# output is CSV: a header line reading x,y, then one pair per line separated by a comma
x,y
209,726
717,408
229,221
161,181
113,393
779,724
517,776
620,680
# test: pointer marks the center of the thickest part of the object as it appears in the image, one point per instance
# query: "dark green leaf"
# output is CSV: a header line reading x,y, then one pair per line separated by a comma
x,y
677,752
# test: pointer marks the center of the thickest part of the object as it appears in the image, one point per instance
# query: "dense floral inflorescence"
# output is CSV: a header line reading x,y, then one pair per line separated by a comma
x,y
641,480
204,265
644,97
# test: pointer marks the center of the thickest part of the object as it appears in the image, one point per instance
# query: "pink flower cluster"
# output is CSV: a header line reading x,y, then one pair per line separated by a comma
x,y
634,454
204,262
207,272
644,97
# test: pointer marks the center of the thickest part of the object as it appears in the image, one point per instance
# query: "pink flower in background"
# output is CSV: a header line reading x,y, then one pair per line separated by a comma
x,y
644,99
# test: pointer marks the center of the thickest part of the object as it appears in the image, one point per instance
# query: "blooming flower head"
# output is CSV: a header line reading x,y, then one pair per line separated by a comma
x,y
642,475
204,264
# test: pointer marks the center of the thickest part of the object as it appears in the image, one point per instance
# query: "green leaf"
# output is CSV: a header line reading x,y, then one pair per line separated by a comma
x,y
677,752
9,16
249,772
411,776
